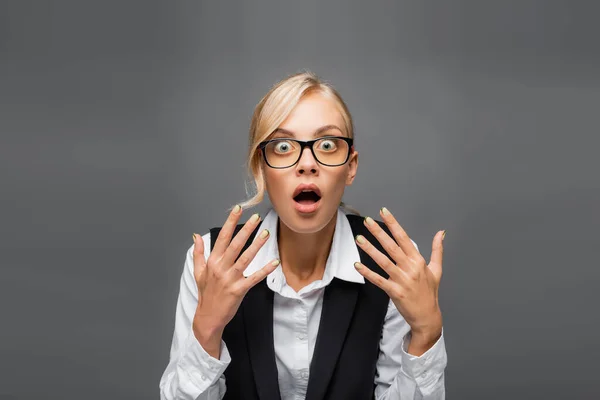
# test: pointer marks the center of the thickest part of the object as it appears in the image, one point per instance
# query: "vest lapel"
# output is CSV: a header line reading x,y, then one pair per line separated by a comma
x,y
339,301
258,318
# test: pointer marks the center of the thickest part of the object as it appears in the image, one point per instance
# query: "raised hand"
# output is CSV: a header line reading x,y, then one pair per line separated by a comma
x,y
412,284
221,283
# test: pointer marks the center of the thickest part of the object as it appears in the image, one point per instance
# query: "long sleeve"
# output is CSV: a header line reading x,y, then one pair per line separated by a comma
x,y
191,372
403,376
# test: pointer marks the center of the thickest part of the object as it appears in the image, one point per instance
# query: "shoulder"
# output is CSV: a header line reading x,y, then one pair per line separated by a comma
x,y
357,223
211,236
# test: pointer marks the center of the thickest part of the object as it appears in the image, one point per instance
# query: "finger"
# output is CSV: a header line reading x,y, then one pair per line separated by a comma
x,y
226,232
240,239
437,252
388,244
248,255
259,275
374,278
381,259
399,234
198,256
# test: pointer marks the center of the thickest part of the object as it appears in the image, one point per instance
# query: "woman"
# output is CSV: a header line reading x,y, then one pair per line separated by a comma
x,y
311,302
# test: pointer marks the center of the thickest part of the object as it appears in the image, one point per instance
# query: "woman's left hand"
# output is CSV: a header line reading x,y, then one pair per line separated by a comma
x,y
412,284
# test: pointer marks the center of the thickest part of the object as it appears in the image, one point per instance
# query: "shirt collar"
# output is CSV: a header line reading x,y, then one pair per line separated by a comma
x,y
340,262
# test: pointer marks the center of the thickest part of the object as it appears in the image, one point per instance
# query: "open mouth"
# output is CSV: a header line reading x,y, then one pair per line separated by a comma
x,y
307,198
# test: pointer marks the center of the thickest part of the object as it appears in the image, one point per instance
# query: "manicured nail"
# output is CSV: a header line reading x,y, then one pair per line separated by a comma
x,y
357,265
264,234
255,218
385,211
444,234
369,221
360,239
237,209
276,262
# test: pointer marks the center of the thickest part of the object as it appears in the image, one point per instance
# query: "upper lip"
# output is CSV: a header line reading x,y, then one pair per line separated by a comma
x,y
306,187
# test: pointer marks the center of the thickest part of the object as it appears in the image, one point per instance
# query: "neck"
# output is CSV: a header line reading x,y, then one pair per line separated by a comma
x,y
304,256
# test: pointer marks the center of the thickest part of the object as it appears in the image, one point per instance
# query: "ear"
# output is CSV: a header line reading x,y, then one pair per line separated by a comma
x,y
352,167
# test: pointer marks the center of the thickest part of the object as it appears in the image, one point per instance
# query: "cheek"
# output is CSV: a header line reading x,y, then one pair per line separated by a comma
x,y
275,183
340,180
337,185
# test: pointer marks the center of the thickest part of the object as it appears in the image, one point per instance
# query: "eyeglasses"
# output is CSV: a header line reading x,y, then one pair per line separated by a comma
x,y
331,151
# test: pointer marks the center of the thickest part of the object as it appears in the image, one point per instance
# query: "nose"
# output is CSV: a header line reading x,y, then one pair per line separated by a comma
x,y
307,163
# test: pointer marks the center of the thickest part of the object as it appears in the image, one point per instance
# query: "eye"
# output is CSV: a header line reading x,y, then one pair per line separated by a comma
x,y
328,145
283,147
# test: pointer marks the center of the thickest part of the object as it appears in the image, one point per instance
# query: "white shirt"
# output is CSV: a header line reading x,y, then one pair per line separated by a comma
x,y
193,374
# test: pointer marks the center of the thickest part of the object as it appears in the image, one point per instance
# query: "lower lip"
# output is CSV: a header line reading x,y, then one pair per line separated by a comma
x,y
307,208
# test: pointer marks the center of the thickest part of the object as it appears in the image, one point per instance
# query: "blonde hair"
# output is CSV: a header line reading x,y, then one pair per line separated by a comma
x,y
272,110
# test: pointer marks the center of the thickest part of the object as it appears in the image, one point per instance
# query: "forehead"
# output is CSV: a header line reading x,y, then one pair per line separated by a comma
x,y
312,112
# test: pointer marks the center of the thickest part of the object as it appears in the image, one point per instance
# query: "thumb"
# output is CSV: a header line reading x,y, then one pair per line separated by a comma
x,y
198,256
437,251
261,274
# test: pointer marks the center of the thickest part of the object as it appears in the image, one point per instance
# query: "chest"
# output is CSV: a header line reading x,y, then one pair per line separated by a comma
x,y
326,347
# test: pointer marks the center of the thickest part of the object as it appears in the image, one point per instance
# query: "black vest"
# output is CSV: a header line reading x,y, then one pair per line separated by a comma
x,y
344,361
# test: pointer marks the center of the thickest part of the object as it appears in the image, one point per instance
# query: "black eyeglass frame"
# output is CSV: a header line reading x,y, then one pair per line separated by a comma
x,y
307,143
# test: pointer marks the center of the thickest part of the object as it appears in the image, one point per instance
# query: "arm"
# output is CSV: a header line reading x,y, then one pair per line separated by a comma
x,y
412,286
191,372
401,375
212,288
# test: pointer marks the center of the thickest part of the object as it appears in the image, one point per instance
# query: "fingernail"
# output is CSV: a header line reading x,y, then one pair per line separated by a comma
x,y
255,217
369,221
194,237
357,265
237,209
360,239
444,234
385,211
264,234
276,262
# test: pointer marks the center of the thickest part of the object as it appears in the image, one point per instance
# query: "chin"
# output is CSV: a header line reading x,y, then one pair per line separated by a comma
x,y
307,222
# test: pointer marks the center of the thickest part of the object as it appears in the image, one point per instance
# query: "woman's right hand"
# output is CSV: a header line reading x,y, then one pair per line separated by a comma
x,y
221,283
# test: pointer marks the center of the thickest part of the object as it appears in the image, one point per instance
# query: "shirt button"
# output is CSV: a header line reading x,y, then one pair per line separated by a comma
x,y
203,377
304,375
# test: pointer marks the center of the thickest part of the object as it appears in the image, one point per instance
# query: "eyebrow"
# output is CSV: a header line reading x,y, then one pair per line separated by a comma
x,y
319,132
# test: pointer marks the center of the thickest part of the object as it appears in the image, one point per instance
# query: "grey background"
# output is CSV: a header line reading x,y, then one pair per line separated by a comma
x,y
124,128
